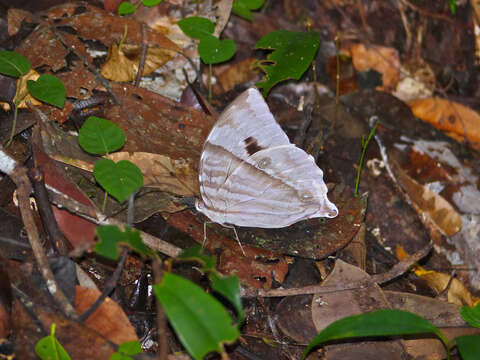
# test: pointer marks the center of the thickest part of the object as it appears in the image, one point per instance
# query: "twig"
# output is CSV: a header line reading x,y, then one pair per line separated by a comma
x,y
18,174
143,56
64,201
396,271
57,239
109,286
161,318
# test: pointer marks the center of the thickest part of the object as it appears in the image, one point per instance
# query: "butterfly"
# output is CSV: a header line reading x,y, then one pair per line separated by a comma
x,y
250,174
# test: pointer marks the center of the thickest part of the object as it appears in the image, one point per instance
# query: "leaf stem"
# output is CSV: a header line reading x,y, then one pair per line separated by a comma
x,y
364,150
18,100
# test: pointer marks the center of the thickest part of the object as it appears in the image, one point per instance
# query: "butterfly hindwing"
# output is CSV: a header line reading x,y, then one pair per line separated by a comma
x,y
251,175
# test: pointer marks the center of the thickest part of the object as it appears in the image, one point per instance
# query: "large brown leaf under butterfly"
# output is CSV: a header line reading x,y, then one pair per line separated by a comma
x,y
251,175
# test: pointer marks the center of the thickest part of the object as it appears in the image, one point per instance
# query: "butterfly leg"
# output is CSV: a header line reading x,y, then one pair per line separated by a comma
x,y
236,238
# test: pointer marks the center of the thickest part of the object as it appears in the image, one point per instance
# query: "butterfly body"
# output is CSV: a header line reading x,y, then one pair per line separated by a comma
x,y
251,175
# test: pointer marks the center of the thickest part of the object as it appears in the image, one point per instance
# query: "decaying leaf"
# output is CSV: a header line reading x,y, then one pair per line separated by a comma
x,y
382,59
430,205
457,293
122,63
456,120
109,319
162,172
31,75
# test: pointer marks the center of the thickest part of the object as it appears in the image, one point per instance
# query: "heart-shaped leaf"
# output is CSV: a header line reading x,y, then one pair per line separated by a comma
x,y
214,51
242,8
13,64
196,27
100,136
118,179
126,8
49,89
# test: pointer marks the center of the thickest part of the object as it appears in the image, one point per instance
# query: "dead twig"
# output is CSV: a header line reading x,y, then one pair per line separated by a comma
x,y
18,174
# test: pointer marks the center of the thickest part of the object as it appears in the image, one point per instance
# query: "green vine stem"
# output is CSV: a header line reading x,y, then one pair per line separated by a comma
x,y
364,150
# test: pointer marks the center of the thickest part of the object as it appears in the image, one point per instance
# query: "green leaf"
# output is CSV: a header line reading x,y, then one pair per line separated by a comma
x,y
119,179
49,348
134,240
126,8
195,253
126,349
377,323
200,321
214,51
242,8
468,346
49,89
293,53
196,27
130,347
110,236
471,315
229,287
13,64
100,136
150,3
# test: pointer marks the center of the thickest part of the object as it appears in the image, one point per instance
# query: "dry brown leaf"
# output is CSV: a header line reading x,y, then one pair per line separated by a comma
x,y
457,292
456,120
229,76
122,64
161,172
382,59
431,206
31,75
109,318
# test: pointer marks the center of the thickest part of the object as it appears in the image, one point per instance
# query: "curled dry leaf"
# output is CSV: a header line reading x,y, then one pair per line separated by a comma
x,y
457,293
430,205
456,120
382,59
122,63
31,75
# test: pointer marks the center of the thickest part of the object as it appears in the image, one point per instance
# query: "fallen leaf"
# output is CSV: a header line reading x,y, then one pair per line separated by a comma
x,y
382,59
122,63
456,120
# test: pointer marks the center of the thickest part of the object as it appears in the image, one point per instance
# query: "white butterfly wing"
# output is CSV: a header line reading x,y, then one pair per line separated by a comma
x,y
251,175
232,134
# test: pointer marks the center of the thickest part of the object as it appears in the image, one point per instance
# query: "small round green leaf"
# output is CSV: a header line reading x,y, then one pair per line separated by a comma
x,y
150,3
239,9
126,8
118,179
214,51
196,27
49,89
100,136
50,348
13,64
